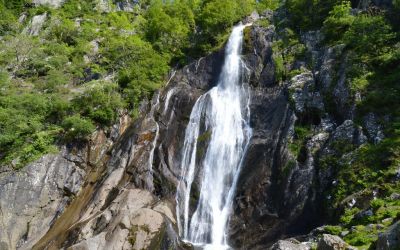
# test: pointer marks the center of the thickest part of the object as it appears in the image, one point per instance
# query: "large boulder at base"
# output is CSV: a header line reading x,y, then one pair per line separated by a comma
x,y
332,242
290,245
134,220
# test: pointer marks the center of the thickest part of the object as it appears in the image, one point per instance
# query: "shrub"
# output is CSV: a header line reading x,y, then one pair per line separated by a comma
x,y
308,14
336,230
169,27
368,35
100,102
42,143
263,5
279,67
396,4
8,21
377,203
77,128
338,22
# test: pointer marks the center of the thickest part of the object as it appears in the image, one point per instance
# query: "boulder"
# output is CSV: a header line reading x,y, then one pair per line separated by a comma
x,y
389,240
130,222
332,242
35,25
52,3
303,95
126,5
289,245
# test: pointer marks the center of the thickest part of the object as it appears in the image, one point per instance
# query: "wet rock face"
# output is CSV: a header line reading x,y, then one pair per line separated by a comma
x,y
261,213
34,197
134,220
280,193
176,102
122,210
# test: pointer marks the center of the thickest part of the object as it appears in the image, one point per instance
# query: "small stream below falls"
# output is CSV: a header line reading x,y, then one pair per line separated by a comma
x,y
219,119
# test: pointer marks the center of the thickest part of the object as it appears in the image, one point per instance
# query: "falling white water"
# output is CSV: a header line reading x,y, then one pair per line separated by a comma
x,y
155,105
167,98
216,140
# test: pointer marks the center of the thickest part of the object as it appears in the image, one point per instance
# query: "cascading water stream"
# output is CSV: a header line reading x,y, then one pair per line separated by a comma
x,y
220,119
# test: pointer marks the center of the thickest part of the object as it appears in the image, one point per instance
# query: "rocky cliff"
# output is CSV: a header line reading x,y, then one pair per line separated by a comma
x,y
118,191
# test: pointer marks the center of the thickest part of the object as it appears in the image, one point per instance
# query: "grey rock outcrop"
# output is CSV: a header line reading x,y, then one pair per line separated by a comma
x,y
52,3
289,245
373,128
134,220
104,6
126,5
302,88
332,242
35,25
34,198
389,240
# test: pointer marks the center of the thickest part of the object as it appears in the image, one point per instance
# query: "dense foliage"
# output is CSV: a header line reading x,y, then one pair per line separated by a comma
x,y
370,40
87,62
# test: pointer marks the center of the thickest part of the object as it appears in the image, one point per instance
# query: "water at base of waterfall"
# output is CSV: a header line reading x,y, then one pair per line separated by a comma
x,y
221,118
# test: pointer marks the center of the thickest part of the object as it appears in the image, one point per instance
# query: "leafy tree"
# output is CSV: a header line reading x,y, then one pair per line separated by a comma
x,y
119,20
101,103
169,27
14,5
76,8
215,23
141,69
77,128
368,35
22,117
17,50
263,5
213,20
54,80
338,21
396,4
308,14
8,22
64,30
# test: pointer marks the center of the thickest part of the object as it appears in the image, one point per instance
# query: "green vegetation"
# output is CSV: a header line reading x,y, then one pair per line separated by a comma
x,y
374,58
371,173
77,127
363,230
308,14
301,133
370,40
338,21
286,51
86,65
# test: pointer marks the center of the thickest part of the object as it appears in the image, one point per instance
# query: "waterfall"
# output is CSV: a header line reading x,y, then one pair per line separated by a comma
x,y
216,140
